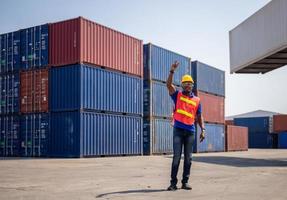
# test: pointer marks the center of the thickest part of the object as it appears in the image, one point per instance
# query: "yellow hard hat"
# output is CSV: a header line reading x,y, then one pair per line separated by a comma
x,y
186,78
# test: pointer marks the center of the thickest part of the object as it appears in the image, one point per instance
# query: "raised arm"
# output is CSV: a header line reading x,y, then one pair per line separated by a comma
x,y
169,85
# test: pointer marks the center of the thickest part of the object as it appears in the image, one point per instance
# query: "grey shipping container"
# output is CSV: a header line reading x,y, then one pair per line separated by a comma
x,y
157,136
157,62
258,44
85,134
208,79
85,87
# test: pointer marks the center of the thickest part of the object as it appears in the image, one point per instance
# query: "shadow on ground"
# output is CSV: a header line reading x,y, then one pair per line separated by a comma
x,y
242,162
131,192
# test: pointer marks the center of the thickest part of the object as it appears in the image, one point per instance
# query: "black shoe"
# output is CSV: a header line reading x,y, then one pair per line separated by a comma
x,y
172,188
185,186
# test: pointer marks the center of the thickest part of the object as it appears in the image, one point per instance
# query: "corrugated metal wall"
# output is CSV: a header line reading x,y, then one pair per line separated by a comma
x,y
84,134
236,138
282,140
83,41
9,135
10,93
157,101
34,130
259,135
157,136
34,91
261,35
208,79
279,123
214,138
157,62
85,87
35,47
213,107
10,52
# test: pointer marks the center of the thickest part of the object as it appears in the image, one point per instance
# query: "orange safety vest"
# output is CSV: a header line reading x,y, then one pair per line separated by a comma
x,y
186,108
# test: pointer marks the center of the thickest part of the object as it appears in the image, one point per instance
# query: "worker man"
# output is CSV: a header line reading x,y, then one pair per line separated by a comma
x,y
187,110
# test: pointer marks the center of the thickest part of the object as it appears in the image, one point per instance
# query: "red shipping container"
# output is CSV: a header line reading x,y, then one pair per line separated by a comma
x,y
229,122
34,91
212,107
279,123
236,138
82,41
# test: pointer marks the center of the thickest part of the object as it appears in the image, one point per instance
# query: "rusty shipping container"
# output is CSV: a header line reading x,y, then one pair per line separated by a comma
x,y
236,138
229,122
82,41
212,107
279,123
34,91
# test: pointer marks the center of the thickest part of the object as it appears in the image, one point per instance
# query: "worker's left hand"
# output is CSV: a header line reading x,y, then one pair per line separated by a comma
x,y
202,135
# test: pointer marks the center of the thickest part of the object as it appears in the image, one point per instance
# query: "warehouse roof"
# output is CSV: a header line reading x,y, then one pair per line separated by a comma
x,y
256,113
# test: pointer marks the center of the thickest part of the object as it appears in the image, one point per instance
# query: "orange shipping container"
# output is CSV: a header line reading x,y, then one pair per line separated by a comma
x,y
279,123
236,138
82,41
34,91
212,107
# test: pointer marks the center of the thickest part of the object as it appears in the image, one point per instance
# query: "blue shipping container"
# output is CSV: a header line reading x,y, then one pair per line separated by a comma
x,y
9,135
9,93
10,52
255,124
35,47
34,131
214,138
157,136
208,79
157,62
282,140
76,87
260,140
84,134
157,101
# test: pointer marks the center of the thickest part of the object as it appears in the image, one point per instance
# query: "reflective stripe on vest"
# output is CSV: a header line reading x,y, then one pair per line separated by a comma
x,y
184,113
187,101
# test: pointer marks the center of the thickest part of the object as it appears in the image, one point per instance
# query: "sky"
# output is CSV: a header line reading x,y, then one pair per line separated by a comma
x,y
197,29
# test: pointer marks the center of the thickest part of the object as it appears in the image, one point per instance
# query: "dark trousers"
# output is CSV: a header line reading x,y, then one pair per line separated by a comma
x,y
181,138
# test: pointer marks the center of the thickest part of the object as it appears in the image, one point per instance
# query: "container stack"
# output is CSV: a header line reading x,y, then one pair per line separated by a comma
x,y
280,128
260,131
210,88
158,105
95,90
10,64
34,98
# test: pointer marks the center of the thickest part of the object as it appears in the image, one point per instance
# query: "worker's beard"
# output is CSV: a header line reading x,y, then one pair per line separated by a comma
x,y
187,89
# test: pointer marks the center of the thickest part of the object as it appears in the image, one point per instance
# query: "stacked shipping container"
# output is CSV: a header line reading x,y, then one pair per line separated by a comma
x,y
158,106
210,88
9,93
95,90
34,82
96,73
259,131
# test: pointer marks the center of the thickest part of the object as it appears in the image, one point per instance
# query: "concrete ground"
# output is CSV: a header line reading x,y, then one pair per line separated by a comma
x,y
256,174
